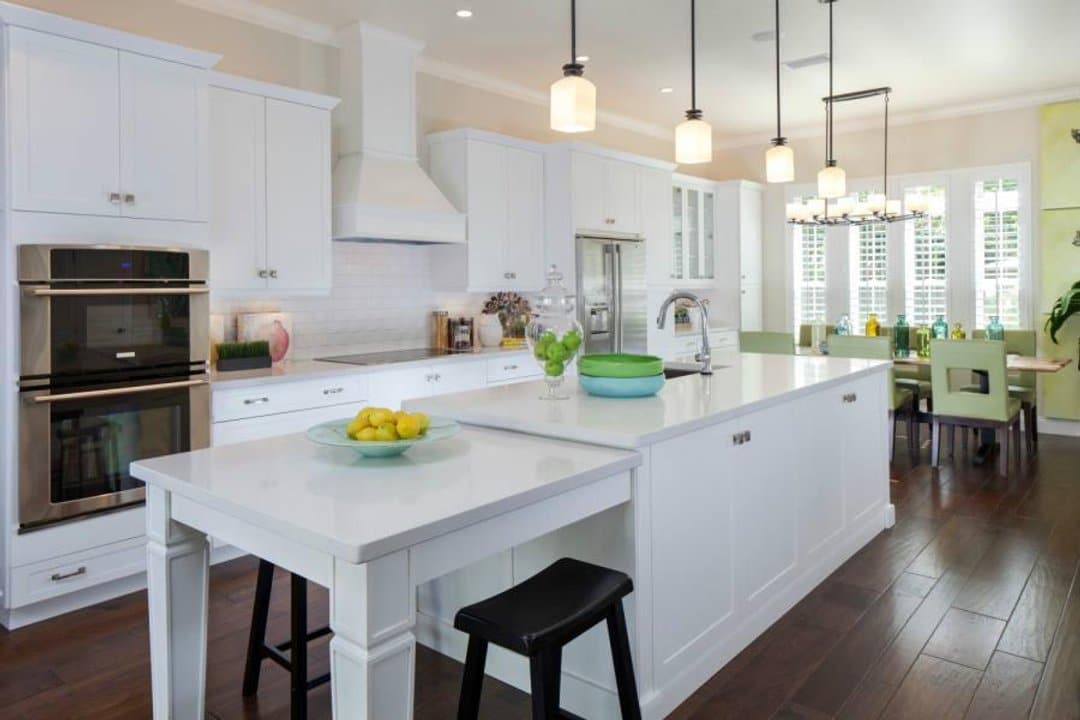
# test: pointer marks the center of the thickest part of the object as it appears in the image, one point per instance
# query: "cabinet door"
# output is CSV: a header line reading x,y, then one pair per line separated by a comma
x,y
163,129
390,388
621,196
588,180
297,196
486,180
750,235
524,238
751,307
65,124
864,430
238,184
458,377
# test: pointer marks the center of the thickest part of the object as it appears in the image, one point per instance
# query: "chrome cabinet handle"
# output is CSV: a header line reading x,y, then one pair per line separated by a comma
x,y
129,198
273,274
57,577
510,367
850,397
429,378
264,274
740,438
256,401
114,198
510,275
333,391
438,377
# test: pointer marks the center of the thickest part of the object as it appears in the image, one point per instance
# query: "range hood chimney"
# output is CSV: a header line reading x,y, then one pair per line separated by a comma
x,y
381,194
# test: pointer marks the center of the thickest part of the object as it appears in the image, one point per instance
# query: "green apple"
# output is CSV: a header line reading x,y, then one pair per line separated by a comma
x,y
558,352
572,340
554,368
547,337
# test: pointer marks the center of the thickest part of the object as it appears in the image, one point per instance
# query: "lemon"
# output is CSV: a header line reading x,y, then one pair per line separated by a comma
x,y
356,426
380,416
399,414
423,421
408,427
366,435
365,413
386,432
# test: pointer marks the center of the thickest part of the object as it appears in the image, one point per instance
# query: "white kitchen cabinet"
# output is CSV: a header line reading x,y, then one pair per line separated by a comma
x,y
270,184
740,241
391,388
692,260
98,130
498,182
605,194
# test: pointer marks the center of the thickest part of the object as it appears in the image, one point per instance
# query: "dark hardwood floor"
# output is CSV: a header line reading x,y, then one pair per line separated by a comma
x,y
968,608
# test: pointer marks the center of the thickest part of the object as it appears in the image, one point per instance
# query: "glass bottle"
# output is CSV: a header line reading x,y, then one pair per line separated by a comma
x,y
554,334
995,330
901,337
940,328
958,332
873,327
843,325
922,341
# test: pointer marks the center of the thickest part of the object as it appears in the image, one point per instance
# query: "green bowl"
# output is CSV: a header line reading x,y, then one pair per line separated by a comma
x,y
620,366
333,434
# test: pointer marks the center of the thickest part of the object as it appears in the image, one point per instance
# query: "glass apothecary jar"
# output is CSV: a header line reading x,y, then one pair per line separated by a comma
x,y
554,334
940,328
995,330
901,337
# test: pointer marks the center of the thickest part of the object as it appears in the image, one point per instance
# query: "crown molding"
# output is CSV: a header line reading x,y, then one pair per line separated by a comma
x,y
255,13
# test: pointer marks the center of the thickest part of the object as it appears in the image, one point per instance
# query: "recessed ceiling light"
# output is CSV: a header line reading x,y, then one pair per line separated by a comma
x,y
464,13
667,90
583,58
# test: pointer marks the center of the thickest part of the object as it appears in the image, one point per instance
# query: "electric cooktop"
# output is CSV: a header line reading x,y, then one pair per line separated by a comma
x,y
388,356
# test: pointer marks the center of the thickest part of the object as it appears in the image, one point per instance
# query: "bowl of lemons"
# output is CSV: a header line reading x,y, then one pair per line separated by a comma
x,y
380,432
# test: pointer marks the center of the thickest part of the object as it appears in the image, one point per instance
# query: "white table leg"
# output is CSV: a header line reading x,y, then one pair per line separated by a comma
x,y
373,653
177,566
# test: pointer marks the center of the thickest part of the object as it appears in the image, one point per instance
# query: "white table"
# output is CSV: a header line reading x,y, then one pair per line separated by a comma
x,y
371,532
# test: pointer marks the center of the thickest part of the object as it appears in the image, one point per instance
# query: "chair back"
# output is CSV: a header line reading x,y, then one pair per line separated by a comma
x,y
769,343
968,356
1020,342
870,348
806,334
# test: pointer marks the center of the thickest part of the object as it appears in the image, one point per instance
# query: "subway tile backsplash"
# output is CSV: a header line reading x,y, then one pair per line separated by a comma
x,y
381,300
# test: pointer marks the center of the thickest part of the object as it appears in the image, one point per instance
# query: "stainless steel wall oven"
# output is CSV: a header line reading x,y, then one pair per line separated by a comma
x,y
114,344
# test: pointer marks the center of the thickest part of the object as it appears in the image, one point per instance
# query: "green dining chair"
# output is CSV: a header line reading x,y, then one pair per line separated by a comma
x,y
957,405
913,377
768,343
901,400
1022,384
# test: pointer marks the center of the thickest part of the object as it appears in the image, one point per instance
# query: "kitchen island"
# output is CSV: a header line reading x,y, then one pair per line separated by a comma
x,y
727,498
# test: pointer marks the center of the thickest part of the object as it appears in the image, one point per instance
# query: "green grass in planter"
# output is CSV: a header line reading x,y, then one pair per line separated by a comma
x,y
235,350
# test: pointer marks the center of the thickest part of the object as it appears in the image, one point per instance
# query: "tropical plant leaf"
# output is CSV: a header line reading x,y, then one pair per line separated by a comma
x,y
1065,307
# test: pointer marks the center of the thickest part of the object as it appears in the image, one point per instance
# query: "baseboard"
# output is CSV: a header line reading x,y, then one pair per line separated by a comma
x,y
1053,426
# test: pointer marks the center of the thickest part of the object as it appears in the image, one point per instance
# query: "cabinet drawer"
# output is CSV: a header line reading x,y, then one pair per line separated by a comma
x,y
510,369
51,578
262,400
267,426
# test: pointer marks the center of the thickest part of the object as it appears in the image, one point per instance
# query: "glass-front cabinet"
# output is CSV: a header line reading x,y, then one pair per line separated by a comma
x,y
693,232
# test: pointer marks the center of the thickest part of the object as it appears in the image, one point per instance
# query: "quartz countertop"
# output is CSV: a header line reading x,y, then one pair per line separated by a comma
x,y
358,509
740,383
292,370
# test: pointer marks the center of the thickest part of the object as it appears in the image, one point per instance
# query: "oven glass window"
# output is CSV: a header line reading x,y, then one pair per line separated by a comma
x,y
93,333
94,440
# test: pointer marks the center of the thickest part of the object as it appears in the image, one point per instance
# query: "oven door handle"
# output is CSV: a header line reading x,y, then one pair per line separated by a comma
x,y
58,292
119,391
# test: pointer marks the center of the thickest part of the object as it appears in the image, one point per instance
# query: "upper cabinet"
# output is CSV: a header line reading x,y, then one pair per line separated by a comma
x,y
740,246
270,170
1060,156
102,130
498,182
606,194
693,232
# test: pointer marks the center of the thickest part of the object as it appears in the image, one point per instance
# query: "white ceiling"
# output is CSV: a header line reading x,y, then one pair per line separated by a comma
x,y
934,53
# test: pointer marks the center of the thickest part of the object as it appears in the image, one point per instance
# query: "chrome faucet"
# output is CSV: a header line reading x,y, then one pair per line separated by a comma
x,y
705,356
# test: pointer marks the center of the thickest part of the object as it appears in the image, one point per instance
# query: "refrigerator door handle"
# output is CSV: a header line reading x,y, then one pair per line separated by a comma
x,y
617,289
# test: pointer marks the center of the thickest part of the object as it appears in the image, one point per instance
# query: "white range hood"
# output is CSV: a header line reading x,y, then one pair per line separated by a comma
x,y
381,194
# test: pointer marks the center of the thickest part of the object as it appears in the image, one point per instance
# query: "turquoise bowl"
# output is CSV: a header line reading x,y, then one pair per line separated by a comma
x,y
621,387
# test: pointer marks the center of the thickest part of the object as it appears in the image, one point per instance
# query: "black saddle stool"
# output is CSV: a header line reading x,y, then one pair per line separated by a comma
x,y
537,618
291,655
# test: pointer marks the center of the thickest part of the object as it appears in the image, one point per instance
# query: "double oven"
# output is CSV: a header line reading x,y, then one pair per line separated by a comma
x,y
114,344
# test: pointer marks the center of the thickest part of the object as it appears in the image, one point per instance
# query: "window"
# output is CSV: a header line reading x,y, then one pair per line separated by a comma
x,y
997,252
925,259
869,273
809,275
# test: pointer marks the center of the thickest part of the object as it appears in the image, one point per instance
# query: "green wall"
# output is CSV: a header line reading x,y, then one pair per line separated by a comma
x,y
1060,266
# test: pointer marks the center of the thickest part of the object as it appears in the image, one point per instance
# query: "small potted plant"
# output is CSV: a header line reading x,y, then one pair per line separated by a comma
x,y
243,355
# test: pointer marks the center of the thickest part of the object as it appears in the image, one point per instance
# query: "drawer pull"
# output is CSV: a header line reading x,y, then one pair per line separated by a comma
x,y
740,438
850,397
333,391
438,377
57,577
256,401
509,368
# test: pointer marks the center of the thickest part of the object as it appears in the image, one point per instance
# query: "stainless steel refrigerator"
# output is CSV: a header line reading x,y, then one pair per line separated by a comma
x,y
611,292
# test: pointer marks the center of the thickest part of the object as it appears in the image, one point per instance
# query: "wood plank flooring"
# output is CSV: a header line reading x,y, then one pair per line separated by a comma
x,y
968,608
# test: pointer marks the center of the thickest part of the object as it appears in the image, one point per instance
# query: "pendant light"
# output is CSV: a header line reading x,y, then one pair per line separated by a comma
x,y
779,160
832,180
573,99
693,136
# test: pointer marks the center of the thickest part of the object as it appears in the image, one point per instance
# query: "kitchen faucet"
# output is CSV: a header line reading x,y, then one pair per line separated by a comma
x,y
705,356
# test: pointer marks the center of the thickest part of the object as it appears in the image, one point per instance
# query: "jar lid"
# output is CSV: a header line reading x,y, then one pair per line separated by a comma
x,y
555,298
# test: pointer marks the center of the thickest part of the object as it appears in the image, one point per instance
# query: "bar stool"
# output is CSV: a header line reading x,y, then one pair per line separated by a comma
x,y
292,654
537,618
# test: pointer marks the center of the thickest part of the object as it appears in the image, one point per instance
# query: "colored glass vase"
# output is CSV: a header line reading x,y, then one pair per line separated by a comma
x,y
940,328
995,330
901,337
873,327
922,341
958,332
843,326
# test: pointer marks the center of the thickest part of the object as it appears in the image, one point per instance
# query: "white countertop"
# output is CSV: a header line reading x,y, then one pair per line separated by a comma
x,y
292,370
749,382
359,509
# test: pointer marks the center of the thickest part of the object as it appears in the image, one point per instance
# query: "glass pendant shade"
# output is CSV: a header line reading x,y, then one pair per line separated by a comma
x,y
832,182
573,105
780,164
693,142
